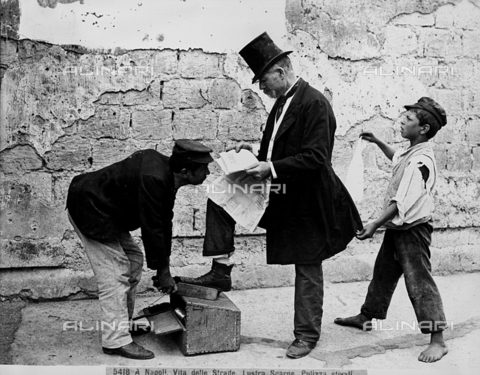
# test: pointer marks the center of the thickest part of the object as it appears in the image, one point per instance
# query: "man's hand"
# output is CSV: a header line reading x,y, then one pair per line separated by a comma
x,y
259,171
166,284
239,146
367,232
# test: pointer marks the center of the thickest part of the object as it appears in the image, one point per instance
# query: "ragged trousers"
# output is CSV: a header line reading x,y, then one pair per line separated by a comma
x,y
406,252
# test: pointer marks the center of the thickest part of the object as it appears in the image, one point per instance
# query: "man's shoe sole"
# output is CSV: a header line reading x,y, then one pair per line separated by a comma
x,y
126,355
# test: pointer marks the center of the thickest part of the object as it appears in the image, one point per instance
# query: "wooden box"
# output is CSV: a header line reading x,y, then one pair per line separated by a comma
x,y
210,326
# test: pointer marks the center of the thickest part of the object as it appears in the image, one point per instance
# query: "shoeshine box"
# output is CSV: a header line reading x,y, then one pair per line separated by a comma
x,y
210,326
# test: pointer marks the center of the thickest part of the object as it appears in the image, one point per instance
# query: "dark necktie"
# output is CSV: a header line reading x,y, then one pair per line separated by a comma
x,y
283,99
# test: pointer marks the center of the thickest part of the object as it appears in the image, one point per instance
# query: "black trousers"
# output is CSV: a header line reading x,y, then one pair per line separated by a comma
x,y
406,252
219,240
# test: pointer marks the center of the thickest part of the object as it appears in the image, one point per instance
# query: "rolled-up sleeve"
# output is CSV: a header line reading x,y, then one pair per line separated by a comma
x,y
413,201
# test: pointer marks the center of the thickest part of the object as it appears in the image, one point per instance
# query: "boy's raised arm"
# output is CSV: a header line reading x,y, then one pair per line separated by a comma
x,y
370,137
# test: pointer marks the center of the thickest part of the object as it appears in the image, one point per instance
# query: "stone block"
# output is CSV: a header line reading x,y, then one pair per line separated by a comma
x,y
152,125
241,126
440,43
39,184
31,253
453,132
251,100
458,259
459,74
225,94
473,132
471,44
440,151
476,158
108,122
414,19
25,218
8,51
44,283
195,124
459,157
349,268
466,16
185,94
399,41
145,97
110,98
189,217
471,101
60,183
69,153
20,159
456,201
444,17
197,64
109,151
450,100
165,63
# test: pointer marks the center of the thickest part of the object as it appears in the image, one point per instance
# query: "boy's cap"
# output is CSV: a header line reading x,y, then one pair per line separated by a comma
x,y
432,107
187,149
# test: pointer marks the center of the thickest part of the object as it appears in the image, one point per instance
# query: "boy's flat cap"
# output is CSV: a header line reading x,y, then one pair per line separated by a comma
x,y
187,149
432,107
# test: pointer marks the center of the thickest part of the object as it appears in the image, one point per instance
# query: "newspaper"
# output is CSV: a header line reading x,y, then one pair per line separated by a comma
x,y
354,179
233,161
244,198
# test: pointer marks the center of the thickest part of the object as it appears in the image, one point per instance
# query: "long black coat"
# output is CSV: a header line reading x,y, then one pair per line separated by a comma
x,y
315,218
137,192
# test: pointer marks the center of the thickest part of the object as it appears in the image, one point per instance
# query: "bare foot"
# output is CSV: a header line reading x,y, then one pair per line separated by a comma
x,y
433,353
358,321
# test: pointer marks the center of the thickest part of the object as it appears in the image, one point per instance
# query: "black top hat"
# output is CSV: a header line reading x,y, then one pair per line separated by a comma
x,y
260,54
432,107
187,149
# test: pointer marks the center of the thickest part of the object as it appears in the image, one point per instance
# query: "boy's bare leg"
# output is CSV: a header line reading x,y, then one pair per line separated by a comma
x,y
436,350
358,321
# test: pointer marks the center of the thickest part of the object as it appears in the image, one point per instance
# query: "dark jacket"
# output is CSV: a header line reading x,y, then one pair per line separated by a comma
x,y
313,217
137,192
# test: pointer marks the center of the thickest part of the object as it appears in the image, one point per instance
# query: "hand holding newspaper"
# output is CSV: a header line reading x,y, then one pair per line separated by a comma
x,y
233,161
244,198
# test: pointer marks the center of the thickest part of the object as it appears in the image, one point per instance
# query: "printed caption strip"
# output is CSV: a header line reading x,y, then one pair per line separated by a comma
x,y
226,371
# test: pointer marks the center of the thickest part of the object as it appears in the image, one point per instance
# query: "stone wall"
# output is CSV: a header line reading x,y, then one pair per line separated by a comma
x,y
66,110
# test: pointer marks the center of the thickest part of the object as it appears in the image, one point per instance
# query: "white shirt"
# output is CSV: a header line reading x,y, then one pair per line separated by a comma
x,y
414,195
275,129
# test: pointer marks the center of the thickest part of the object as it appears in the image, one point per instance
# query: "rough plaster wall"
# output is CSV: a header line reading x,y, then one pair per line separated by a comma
x,y
64,113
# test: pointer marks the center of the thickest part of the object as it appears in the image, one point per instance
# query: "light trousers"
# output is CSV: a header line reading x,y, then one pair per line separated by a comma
x,y
118,268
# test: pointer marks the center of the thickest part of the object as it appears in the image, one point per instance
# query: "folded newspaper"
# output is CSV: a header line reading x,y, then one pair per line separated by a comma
x,y
244,198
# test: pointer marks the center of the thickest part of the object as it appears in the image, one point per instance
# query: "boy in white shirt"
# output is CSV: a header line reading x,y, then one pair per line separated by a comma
x,y
407,214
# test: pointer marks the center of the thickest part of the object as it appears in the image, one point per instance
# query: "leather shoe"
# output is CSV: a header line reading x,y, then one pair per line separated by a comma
x,y
138,329
299,348
132,350
218,277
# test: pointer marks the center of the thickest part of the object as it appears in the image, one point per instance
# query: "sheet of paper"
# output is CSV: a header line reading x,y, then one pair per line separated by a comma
x,y
233,161
354,179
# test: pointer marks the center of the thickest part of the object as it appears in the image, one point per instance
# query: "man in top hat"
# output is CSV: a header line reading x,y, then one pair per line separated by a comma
x,y
313,217
105,205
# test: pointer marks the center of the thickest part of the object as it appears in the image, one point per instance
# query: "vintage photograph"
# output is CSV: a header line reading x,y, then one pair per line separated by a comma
x,y
239,187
